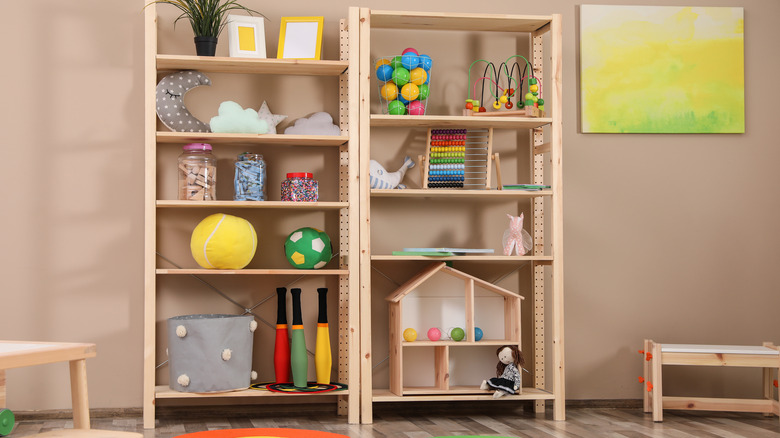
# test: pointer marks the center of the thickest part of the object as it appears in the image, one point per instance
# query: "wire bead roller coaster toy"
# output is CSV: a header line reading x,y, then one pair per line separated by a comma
x,y
506,84
459,158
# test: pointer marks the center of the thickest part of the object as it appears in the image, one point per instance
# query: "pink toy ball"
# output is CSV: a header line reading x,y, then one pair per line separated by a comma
x,y
416,108
434,334
409,50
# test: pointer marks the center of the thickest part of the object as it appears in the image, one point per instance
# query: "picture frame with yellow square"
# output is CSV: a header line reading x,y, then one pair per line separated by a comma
x,y
300,38
246,36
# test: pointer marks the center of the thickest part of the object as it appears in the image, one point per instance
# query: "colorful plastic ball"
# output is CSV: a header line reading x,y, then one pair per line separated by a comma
x,y
410,335
410,61
482,109
434,334
409,50
384,72
533,88
426,62
308,248
457,334
503,98
469,105
478,334
418,76
222,241
424,91
382,61
404,100
395,62
401,76
396,108
410,91
389,91
416,108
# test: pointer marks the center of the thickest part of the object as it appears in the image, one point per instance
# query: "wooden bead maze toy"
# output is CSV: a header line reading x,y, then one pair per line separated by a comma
x,y
459,158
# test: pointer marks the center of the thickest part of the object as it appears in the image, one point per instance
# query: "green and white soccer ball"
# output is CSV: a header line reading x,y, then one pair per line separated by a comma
x,y
308,248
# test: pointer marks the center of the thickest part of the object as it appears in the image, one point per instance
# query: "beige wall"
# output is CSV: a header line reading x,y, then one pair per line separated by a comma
x,y
672,237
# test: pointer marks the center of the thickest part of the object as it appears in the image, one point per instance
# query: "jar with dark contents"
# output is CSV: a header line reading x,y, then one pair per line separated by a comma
x,y
299,187
197,173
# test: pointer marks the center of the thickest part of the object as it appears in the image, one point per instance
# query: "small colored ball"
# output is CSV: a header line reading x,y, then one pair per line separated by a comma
x,y
389,91
469,105
533,88
457,334
410,61
395,62
401,76
434,334
396,108
532,81
409,50
424,91
308,248
416,108
384,72
540,102
503,98
403,99
426,62
418,76
482,109
478,334
529,96
410,91
410,335
382,61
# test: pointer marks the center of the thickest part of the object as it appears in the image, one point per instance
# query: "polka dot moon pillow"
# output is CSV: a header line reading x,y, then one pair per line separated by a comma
x,y
170,101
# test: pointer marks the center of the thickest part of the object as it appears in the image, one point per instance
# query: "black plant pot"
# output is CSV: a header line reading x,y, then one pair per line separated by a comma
x,y
205,46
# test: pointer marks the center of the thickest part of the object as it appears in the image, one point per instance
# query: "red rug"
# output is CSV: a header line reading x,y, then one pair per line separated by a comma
x,y
262,433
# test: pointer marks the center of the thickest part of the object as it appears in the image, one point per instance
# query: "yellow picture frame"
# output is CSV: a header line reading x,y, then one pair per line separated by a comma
x,y
300,38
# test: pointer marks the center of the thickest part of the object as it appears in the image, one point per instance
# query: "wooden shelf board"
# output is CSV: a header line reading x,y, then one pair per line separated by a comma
x,y
165,392
456,393
485,258
324,205
455,193
274,139
489,342
457,21
383,120
252,271
221,64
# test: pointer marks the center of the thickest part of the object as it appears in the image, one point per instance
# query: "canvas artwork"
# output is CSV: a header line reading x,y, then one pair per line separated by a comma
x,y
662,69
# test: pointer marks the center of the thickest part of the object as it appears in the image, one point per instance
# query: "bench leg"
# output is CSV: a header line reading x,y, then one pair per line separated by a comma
x,y
658,397
78,391
647,376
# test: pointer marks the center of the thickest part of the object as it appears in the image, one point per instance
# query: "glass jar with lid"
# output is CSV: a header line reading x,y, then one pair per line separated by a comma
x,y
197,173
250,176
300,187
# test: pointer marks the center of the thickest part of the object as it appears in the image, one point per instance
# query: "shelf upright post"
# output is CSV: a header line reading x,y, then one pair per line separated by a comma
x,y
150,211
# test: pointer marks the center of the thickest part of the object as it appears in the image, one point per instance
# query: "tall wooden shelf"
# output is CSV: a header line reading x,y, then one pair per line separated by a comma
x,y
346,270
546,259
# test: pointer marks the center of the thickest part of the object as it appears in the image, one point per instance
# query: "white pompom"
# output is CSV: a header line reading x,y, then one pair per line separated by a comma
x,y
181,331
253,376
184,380
253,326
226,354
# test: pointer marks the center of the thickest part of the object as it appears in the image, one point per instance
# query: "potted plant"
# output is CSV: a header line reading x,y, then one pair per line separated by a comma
x,y
207,18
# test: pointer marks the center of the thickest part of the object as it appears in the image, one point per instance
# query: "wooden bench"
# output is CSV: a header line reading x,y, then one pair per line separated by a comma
x,y
766,356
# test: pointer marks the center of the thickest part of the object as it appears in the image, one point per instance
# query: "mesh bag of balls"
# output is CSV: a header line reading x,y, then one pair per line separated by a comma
x,y
404,82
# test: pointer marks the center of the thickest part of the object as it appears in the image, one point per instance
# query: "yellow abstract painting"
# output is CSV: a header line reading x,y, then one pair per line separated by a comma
x,y
662,69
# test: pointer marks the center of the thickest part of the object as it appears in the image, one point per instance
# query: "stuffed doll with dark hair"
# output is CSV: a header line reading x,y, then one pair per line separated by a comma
x,y
508,378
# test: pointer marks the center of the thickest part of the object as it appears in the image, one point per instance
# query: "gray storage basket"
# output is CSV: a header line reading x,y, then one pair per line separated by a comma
x,y
209,353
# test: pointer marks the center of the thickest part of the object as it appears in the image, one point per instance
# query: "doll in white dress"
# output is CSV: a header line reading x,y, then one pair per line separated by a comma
x,y
508,378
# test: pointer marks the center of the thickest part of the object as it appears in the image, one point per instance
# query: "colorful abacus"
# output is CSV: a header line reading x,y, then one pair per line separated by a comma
x,y
457,158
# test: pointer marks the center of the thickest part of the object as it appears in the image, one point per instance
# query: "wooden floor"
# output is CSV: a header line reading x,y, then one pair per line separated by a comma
x,y
581,422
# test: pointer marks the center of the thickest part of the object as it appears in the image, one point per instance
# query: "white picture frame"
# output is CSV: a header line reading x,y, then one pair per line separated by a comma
x,y
246,36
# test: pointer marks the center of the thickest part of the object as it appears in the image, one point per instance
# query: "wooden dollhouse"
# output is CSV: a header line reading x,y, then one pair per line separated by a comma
x,y
511,334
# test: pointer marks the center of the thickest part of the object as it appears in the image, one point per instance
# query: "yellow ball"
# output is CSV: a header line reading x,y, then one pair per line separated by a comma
x,y
410,335
389,91
410,91
382,61
533,88
222,241
418,76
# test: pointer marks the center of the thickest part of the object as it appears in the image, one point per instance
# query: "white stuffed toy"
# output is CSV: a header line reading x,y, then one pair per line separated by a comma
x,y
380,178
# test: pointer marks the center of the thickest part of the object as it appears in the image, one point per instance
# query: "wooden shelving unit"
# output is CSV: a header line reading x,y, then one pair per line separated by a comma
x,y
346,349
546,259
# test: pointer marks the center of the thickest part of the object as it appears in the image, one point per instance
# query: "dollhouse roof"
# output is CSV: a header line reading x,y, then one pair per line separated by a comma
x,y
431,270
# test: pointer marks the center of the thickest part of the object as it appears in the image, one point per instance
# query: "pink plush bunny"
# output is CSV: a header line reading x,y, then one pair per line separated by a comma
x,y
515,237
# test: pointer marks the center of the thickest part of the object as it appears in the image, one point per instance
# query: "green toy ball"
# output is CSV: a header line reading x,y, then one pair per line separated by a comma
x,y
396,62
308,248
396,108
401,76
457,334
424,91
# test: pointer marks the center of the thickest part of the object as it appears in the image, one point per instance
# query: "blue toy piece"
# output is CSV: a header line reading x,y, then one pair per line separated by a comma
x,y
478,334
425,62
410,61
384,72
